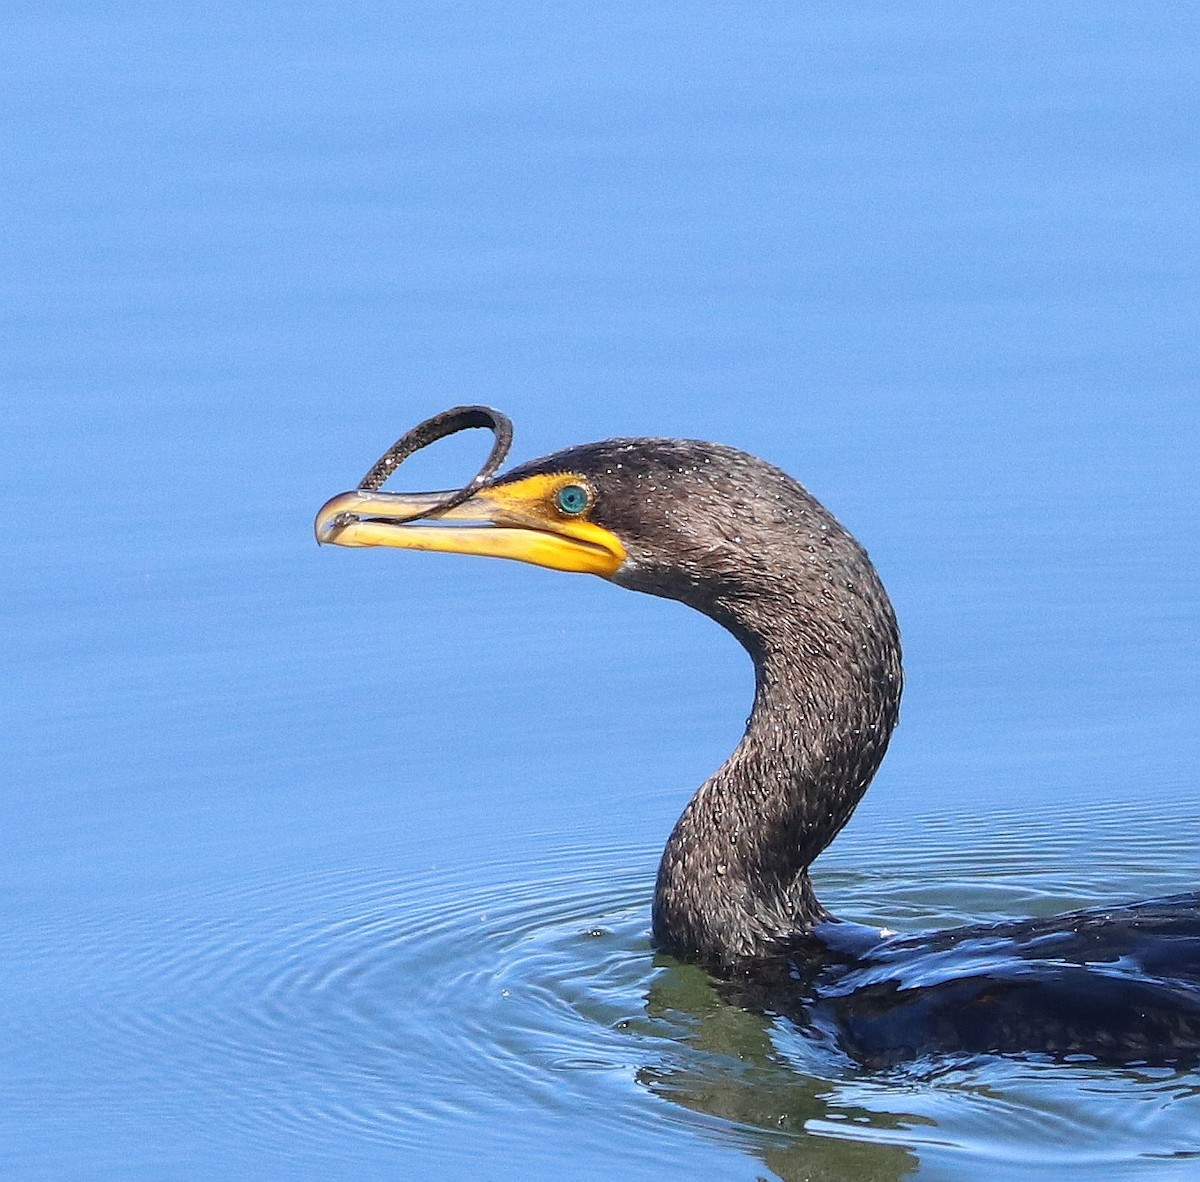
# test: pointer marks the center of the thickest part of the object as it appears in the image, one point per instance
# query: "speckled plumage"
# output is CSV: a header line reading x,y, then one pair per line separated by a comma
x,y
741,541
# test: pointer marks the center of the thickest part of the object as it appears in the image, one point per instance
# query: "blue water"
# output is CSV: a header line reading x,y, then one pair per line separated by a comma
x,y
337,863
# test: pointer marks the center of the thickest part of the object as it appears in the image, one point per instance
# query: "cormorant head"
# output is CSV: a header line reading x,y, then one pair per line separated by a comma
x,y
698,522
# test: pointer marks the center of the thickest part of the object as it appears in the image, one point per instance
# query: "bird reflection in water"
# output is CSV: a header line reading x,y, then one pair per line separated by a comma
x,y
732,1070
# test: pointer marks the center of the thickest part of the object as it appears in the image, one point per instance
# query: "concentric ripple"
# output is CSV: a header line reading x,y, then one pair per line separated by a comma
x,y
410,1009
381,1002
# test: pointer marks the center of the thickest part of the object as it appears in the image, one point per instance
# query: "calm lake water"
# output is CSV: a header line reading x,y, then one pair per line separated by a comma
x,y
337,864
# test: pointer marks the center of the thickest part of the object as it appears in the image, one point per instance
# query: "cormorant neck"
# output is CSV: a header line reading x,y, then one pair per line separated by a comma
x,y
733,882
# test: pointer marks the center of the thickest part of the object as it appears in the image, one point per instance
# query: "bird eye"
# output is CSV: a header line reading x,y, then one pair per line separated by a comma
x,y
572,499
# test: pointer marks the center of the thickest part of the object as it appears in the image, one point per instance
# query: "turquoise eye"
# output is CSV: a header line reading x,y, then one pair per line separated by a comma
x,y
572,499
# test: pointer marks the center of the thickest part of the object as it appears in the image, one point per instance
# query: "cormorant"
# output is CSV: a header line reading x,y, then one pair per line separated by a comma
x,y
741,541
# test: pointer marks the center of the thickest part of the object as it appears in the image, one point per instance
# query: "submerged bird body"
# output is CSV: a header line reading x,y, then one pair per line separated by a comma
x,y
1115,985
744,543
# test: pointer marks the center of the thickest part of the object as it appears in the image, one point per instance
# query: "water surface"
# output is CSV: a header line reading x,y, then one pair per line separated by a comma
x,y
338,864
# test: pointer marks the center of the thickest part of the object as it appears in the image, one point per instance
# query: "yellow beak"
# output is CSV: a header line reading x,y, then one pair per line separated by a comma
x,y
516,520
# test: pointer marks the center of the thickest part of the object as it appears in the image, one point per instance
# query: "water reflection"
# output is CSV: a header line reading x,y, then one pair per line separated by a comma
x,y
791,1103
732,1070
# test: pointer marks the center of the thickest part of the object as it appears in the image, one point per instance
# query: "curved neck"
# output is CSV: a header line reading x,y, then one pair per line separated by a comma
x,y
733,882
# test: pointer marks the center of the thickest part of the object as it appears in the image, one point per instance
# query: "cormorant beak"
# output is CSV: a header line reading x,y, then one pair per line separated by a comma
x,y
516,520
